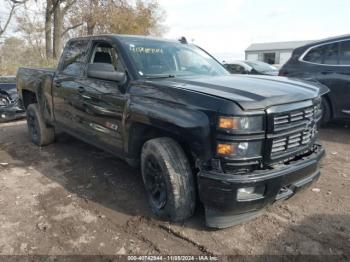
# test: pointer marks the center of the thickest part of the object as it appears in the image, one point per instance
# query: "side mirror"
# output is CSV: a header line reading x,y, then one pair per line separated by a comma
x,y
105,71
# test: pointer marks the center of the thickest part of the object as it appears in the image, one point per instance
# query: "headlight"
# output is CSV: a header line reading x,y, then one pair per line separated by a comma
x,y
318,111
244,123
239,150
3,101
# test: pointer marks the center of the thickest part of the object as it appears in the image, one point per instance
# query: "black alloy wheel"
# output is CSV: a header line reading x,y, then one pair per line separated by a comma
x,y
155,182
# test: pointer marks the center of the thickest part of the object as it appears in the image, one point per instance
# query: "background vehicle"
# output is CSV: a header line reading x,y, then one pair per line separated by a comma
x,y
239,143
327,62
251,67
10,105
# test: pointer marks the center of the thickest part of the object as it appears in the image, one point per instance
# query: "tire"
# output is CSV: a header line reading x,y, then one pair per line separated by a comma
x,y
39,132
166,168
326,112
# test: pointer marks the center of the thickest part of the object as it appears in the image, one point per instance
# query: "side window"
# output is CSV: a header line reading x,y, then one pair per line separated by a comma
x,y
105,53
331,54
315,55
344,53
75,57
235,69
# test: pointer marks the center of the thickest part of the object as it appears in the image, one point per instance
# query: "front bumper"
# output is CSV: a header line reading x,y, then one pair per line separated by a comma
x,y
218,191
11,112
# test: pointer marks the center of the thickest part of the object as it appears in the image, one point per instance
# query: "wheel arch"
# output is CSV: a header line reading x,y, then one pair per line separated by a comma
x,y
140,133
330,102
29,97
40,94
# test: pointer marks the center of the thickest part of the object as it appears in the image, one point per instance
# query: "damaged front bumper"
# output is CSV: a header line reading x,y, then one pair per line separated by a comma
x,y
225,195
12,111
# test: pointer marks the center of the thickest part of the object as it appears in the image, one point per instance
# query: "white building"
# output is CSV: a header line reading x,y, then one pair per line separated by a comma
x,y
276,53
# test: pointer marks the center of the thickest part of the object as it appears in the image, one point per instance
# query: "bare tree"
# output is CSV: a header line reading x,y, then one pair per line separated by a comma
x,y
119,16
32,31
48,29
59,10
13,5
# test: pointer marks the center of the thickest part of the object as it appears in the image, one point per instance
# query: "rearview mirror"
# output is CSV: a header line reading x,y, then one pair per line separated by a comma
x,y
105,71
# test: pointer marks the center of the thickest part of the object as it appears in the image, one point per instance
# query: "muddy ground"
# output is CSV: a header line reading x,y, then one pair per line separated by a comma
x,y
71,198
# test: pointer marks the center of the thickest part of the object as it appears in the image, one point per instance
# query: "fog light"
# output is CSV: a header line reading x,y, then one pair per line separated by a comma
x,y
225,149
3,116
250,193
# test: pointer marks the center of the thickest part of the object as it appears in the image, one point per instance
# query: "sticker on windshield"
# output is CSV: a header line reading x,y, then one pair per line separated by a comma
x,y
146,50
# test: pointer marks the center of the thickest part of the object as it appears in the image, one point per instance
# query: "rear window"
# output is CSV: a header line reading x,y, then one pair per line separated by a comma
x,y
235,69
75,57
315,55
344,53
331,54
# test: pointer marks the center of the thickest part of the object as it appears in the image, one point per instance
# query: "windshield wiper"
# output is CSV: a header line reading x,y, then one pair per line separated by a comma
x,y
159,76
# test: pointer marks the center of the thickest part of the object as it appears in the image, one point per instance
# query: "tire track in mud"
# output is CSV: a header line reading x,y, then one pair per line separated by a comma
x,y
165,234
179,235
130,228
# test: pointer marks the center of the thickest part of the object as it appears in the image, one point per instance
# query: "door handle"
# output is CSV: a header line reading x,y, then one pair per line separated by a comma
x,y
81,89
58,83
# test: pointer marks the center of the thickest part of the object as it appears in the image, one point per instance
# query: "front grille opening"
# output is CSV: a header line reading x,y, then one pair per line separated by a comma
x,y
299,156
291,141
297,117
294,132
240,170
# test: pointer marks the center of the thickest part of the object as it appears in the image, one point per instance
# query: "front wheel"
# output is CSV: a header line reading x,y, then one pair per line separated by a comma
x,y
168,179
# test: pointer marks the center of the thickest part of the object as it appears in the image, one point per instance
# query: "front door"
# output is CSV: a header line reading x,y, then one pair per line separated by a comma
x,y
103,101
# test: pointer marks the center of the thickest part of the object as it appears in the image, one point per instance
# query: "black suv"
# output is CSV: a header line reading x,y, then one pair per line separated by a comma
x,y
327,62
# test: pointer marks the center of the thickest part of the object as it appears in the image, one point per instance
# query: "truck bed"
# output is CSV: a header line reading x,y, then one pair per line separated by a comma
x,y
36,81
32,79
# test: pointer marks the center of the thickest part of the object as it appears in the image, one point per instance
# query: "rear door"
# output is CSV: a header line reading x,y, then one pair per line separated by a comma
x,y
342,81
320,63
103,100
66,84
332,68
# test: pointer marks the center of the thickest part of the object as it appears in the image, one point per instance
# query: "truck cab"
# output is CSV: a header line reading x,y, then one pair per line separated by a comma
x,y
236,143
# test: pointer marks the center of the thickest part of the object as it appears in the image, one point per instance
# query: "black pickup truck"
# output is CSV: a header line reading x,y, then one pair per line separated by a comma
x,y
237,143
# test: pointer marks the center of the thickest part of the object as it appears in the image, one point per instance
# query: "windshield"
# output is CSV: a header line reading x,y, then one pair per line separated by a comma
x,y
261,66
154,58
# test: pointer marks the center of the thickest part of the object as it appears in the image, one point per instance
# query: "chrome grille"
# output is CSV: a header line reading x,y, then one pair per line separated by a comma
x,y
295,117
294,140
293,129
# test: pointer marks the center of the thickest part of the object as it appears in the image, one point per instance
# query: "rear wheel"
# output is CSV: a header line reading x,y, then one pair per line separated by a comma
x,y
39,132
168,179
326,112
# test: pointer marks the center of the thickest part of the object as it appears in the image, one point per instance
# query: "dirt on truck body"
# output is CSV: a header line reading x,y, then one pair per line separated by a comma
x,y
236,143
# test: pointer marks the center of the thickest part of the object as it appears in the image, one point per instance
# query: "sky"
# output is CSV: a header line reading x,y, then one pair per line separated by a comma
x,y
226,28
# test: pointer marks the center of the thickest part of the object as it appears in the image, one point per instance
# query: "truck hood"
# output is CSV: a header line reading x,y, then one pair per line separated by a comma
x,y
250,92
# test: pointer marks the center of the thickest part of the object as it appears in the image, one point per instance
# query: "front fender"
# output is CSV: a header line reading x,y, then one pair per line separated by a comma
x,y
189,125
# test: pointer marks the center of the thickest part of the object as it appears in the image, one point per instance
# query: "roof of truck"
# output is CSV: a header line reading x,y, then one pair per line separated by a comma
x,y
126,37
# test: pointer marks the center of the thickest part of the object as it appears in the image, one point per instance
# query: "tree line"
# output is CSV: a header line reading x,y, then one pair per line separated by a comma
x,y
38,35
